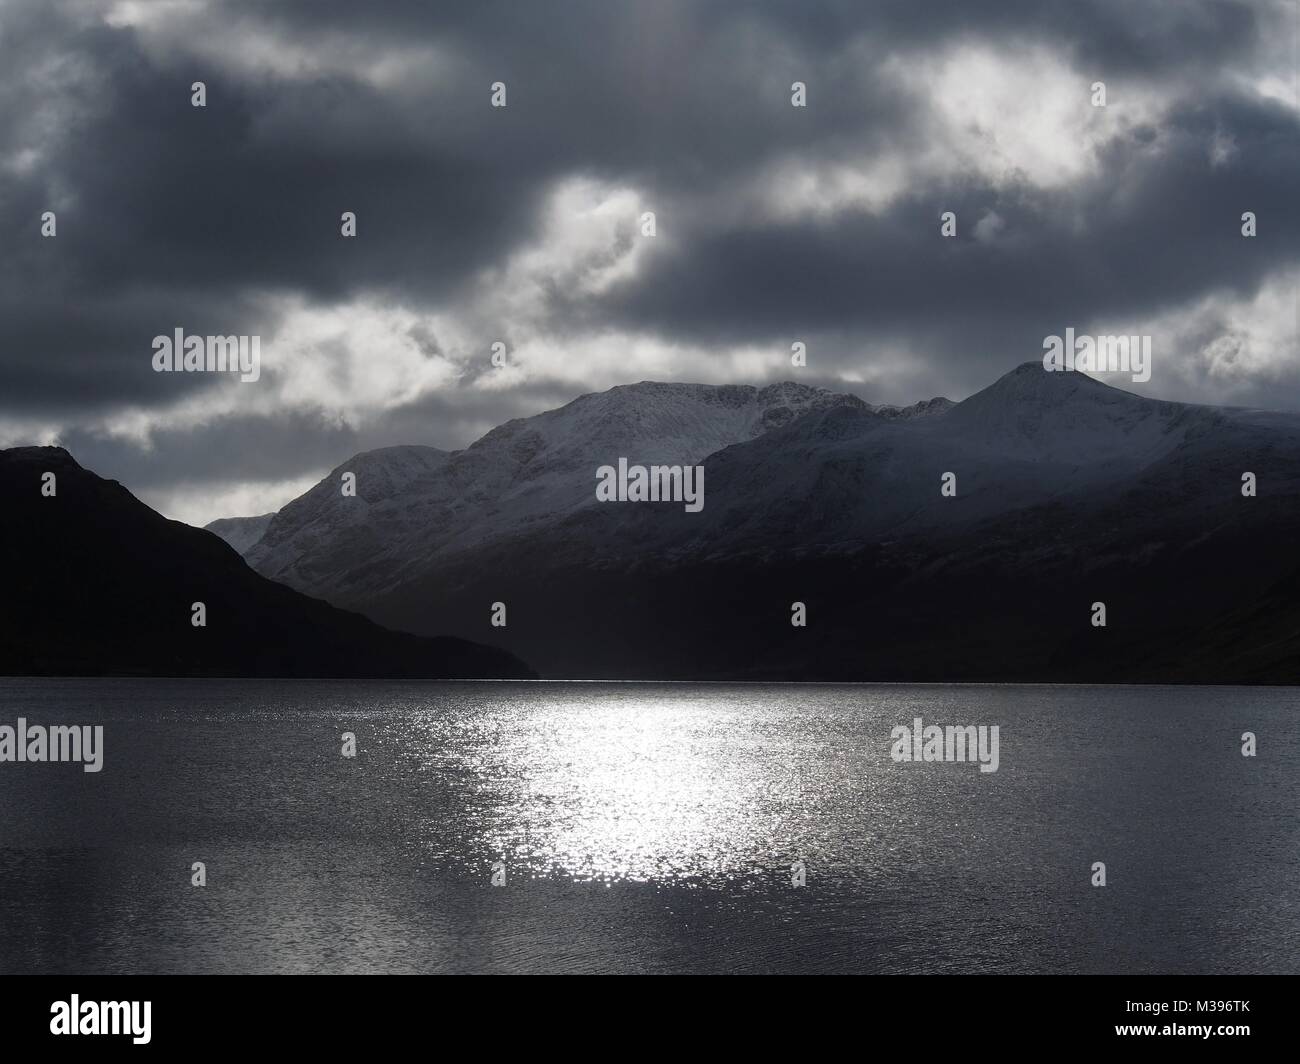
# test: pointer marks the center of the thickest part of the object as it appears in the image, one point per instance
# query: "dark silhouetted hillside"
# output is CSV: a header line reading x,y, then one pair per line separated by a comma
x,y
96,583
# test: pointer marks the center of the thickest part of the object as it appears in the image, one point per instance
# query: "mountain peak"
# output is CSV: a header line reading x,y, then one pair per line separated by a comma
x,y
51,455
676,421
1068,416
1031,380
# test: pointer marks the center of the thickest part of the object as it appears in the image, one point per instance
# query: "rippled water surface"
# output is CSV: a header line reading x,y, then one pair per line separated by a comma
x,y
649,827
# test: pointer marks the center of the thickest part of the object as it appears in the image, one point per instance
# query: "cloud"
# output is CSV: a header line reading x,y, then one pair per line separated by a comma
x,y
521,225
1226,347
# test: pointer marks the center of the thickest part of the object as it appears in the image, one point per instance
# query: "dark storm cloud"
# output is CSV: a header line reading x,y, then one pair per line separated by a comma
x,y
1173,232
1118,33
171,215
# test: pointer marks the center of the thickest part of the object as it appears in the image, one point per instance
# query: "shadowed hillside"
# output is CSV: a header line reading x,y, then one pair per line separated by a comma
x,y
99,584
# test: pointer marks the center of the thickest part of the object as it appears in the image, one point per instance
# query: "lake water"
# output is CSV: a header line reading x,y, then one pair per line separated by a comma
x,y
649,828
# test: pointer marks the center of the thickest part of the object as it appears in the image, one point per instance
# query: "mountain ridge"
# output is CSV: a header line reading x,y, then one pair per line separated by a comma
x,y
107,586
1065,490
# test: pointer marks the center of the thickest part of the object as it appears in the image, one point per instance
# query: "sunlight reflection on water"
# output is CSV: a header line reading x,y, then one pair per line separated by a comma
x,y
649,827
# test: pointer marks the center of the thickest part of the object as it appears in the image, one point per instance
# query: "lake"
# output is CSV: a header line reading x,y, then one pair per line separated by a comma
x,y
649,827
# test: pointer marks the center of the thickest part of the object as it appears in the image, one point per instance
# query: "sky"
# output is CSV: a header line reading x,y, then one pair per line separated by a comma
x,y
523,224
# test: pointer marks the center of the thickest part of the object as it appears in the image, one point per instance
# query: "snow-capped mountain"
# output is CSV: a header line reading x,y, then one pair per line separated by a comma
x,y
241,532
1061,491
416,503
843,478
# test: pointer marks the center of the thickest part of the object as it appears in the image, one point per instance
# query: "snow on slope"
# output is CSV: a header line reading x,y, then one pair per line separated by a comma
x,y
789,467
242,533
844,479
415,502
1071,418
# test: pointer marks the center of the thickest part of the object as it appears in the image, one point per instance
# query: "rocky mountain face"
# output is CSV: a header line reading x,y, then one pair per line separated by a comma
x,y
1063,492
